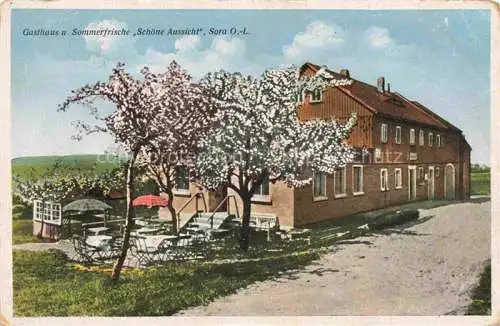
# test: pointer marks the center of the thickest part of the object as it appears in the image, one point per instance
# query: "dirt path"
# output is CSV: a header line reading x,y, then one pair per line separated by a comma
x,y
428,269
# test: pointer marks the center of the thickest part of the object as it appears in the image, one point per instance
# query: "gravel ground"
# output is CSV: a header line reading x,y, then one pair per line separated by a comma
x,y
426,269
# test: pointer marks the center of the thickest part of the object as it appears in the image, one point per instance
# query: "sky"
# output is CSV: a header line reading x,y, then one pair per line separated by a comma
x,y
439,57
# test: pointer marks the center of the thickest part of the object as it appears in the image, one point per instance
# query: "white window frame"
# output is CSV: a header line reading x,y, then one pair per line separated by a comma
x,y
320,197
344,183
301,97
361,192
430,139
385,179
258,196
438,140
47,211
398,132
412,136
320,92
437,171
421,137
420,174
384,133
398,182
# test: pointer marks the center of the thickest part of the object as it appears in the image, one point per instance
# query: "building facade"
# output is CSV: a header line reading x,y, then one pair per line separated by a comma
x,y
405,152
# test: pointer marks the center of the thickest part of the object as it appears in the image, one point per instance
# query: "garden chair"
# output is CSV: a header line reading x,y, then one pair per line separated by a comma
x,y
145,255
182,248
166,250
84,252
111,251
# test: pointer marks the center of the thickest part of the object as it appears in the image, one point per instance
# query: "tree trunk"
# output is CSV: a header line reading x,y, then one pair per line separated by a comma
x,y
245,226
129,221
172,211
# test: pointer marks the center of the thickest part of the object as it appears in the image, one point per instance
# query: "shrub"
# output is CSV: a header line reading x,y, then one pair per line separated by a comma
x,y
393,218
481,295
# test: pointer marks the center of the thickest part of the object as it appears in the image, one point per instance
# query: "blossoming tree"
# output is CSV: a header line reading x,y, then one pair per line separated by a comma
x,y
144,110
184,116
259,137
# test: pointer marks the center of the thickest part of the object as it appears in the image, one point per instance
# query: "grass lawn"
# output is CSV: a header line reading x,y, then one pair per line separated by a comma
x,y
46,284
481,295
480,183
22,232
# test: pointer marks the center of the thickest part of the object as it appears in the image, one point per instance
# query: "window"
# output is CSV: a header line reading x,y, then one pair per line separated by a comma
x,y
421,138
263,188
398,178
384,184
437,171
431,139
181,178
340,182
319,186
412,136
398,135
357,180
383,133
300,97
420,173
47,211
438,141
317,95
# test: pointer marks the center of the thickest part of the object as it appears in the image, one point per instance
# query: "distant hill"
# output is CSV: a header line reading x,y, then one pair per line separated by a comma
x,y
102,162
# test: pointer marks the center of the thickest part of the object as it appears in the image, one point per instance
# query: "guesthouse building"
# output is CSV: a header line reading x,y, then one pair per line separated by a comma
x,y
405,152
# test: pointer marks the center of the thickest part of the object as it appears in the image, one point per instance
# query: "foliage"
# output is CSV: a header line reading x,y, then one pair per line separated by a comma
x,y
150,114
478,168
258,132
182,116
481,295
22,231
480,183
258,136
46,284
61,182
393,218
147,186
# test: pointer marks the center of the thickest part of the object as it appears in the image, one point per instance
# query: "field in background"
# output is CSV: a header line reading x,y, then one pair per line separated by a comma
x,y
22,166
480,183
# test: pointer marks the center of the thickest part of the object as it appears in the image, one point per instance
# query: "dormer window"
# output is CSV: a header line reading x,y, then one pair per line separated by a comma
x,y
317,95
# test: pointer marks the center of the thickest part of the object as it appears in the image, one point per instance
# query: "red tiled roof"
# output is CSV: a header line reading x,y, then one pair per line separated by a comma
x,y
390,104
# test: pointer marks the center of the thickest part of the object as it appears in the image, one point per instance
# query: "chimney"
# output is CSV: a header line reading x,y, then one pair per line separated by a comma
x,y
345,72
388,87
381,84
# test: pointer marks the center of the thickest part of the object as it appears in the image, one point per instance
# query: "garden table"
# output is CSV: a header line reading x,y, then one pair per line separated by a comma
x,y
98,230
153,241
141,222
99,241
147,230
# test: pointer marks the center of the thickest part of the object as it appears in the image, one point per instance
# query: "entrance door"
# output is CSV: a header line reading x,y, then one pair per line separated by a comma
x,y
412,182
215,198
430,183
449,182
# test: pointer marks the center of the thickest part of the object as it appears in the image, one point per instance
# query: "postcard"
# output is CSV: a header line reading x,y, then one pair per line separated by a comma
x,y
273,162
